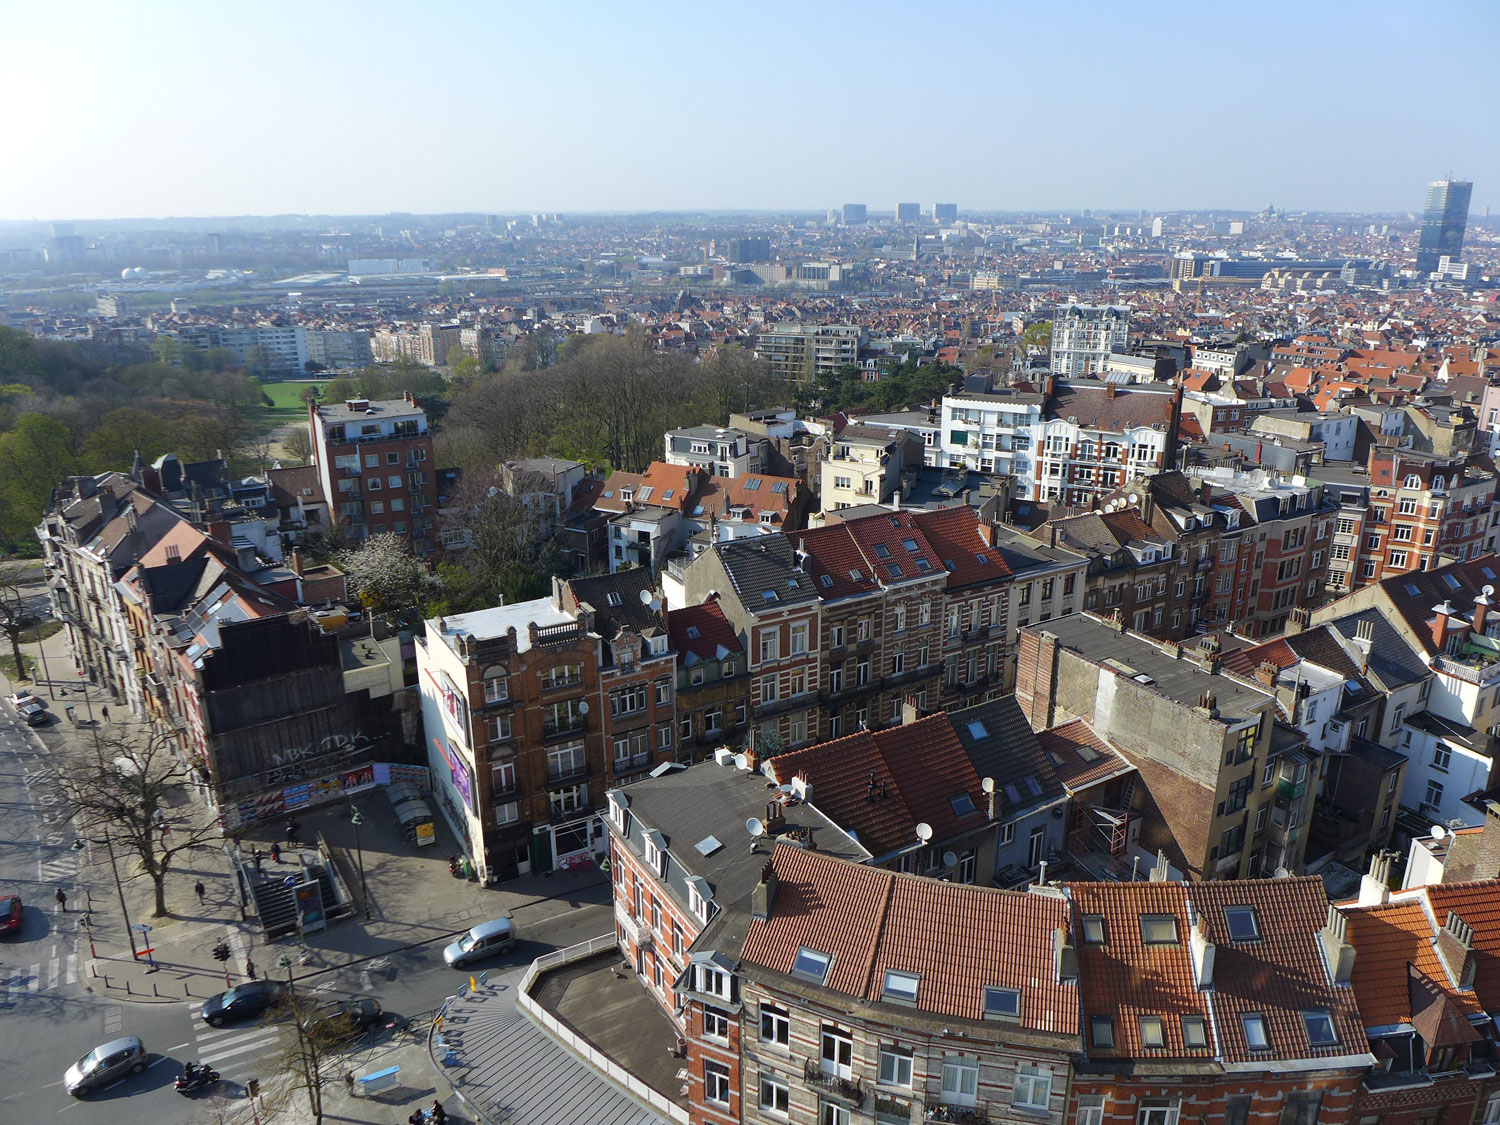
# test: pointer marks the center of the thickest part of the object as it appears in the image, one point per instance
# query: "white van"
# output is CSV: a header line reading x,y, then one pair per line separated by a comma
x,y
485,940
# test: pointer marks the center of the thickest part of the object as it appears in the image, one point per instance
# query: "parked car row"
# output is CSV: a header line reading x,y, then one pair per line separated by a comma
x,y
30,709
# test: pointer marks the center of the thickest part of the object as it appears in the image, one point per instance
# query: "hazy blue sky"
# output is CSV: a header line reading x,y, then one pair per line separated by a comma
x,y
152,109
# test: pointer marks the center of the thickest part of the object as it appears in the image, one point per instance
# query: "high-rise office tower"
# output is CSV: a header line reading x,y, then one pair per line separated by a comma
x,y
854,213
1444,218
908,212
945,212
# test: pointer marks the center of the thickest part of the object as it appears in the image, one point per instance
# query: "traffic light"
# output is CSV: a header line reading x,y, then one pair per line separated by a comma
x,y
221,955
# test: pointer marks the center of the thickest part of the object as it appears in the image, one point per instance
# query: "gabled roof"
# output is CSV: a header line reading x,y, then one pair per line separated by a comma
x,y
1000,744
894,550
764,572
954,536
879,785
701,632
958,940
1387,938
835,563
617,600
1080,757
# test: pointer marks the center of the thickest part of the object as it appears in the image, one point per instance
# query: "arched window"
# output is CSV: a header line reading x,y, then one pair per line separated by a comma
x,y
1413,481
1438,484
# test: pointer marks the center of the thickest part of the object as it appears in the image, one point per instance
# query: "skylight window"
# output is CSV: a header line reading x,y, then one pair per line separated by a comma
x,y
1013,794
826,579
1002,1003
1194,1033
901,987
1320,1031
1451,580
692,632
645,492
1255,1031
962,804
752,484
1033,787
895,570
922,564
778,486
1093,929
613,597
1151,1032
857,575
976,730
984,560
910,545
770,595
950,565
1102,1031
667,495
1086,752
1411,588
811,965
1159,929
1243,925
1487,572
882,551
609,493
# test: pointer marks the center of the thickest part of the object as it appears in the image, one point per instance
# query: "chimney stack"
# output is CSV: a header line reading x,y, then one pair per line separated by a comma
x,y
763,896
297,559
1337,951
1064,956
1440,624
910,710
1267,672
1455,949
1203,956
1375,885
1482,609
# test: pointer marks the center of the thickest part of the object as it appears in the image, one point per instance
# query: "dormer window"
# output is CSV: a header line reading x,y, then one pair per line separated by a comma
x,y
811,965
900,987
698,900
656,855
1243,924
713,981
1159,929
1002,1004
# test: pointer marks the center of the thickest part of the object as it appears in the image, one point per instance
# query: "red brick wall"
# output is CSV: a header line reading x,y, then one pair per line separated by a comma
x,y
1205,1100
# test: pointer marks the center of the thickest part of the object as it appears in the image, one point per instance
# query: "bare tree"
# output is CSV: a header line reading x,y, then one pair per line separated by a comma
x,y
122,781
296,444
384,574
15,620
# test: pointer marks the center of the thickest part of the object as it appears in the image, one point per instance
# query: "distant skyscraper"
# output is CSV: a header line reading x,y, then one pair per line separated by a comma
x,y
1444,218
854,213
908,212
944,212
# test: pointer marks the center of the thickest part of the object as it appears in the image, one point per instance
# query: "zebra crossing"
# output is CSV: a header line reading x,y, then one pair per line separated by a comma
x,y
22,982
238,1052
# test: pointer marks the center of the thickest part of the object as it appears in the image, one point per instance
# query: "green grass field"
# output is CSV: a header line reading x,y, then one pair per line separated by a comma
x,y
288,400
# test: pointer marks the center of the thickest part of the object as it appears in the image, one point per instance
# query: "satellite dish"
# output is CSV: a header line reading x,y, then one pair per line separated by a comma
x,y
787,789
583,706
924,832
655,604
1438,832
950,859
988,785
741,762
755,827
645,597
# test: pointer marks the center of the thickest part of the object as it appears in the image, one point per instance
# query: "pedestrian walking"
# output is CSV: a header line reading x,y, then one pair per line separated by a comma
x,y
275,853
292,830
255,855
105,712
250,969
62,900
202,891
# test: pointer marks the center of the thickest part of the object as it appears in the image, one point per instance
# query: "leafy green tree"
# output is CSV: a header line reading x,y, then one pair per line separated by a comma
x,y
34,457
166,349
113,442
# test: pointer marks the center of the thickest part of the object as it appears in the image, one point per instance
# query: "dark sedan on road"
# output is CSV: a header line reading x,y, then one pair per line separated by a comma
x,y
344,1020
242,1001
10,913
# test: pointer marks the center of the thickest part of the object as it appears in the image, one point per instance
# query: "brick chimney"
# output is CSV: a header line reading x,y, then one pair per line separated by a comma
x,y
1482,609
1267,672
1202,951
1440,624
763,895
297,559
911,711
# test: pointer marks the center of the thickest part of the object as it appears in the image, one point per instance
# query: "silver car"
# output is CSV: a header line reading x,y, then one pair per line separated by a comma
x,y
105,1064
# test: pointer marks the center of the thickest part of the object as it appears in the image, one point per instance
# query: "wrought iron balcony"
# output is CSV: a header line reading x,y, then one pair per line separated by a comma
x,y
848,1089
958,1114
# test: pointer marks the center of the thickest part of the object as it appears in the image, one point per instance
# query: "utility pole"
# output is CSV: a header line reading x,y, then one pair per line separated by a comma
x,y
357,818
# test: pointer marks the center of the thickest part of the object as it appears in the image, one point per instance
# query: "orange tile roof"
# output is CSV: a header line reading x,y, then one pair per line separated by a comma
x,y
960,939
1079,770
1386,939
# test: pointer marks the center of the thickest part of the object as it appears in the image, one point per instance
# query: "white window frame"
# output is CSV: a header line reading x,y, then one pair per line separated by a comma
x,y
715,1083
779,1022
895,1067
775,1095
960,1081
1033,1086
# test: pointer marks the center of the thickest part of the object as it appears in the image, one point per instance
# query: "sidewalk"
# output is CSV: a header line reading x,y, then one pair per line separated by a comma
x,y
413,899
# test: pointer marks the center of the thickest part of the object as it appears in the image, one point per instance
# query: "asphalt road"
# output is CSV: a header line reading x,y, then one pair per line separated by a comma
x,y
49,1018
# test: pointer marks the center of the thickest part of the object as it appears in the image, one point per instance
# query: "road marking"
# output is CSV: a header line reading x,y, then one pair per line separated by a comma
x,y
35,982
72,968
179,1046
54,971
158,1062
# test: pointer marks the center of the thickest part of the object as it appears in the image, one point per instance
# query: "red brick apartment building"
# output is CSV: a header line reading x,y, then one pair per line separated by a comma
x,y
374,463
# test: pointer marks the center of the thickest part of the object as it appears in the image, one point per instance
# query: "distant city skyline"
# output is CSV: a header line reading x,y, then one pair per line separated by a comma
x,y
168,109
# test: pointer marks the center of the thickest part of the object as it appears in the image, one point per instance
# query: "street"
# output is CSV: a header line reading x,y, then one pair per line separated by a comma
x,y
52,1011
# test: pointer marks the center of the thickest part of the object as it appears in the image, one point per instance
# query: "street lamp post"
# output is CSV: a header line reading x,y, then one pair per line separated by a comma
x,y
119,890
357,818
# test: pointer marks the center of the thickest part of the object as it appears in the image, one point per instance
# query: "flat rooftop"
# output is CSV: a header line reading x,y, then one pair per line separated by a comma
x,y
1133,656
375,410
487,624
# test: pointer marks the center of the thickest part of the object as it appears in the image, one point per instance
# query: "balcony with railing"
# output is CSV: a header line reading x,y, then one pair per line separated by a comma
x,y
1284,828
957,1114
848,1089
505,791
566,727
557,778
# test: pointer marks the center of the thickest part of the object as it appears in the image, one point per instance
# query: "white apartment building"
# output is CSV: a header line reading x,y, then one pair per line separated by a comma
x,y
719,452
990,431
1084,335
283,348
864,465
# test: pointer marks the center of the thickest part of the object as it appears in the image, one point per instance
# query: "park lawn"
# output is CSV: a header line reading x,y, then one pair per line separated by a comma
x,y
288,399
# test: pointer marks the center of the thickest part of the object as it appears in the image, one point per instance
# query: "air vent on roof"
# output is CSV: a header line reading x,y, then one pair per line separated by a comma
x,y
1143,679
708,845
